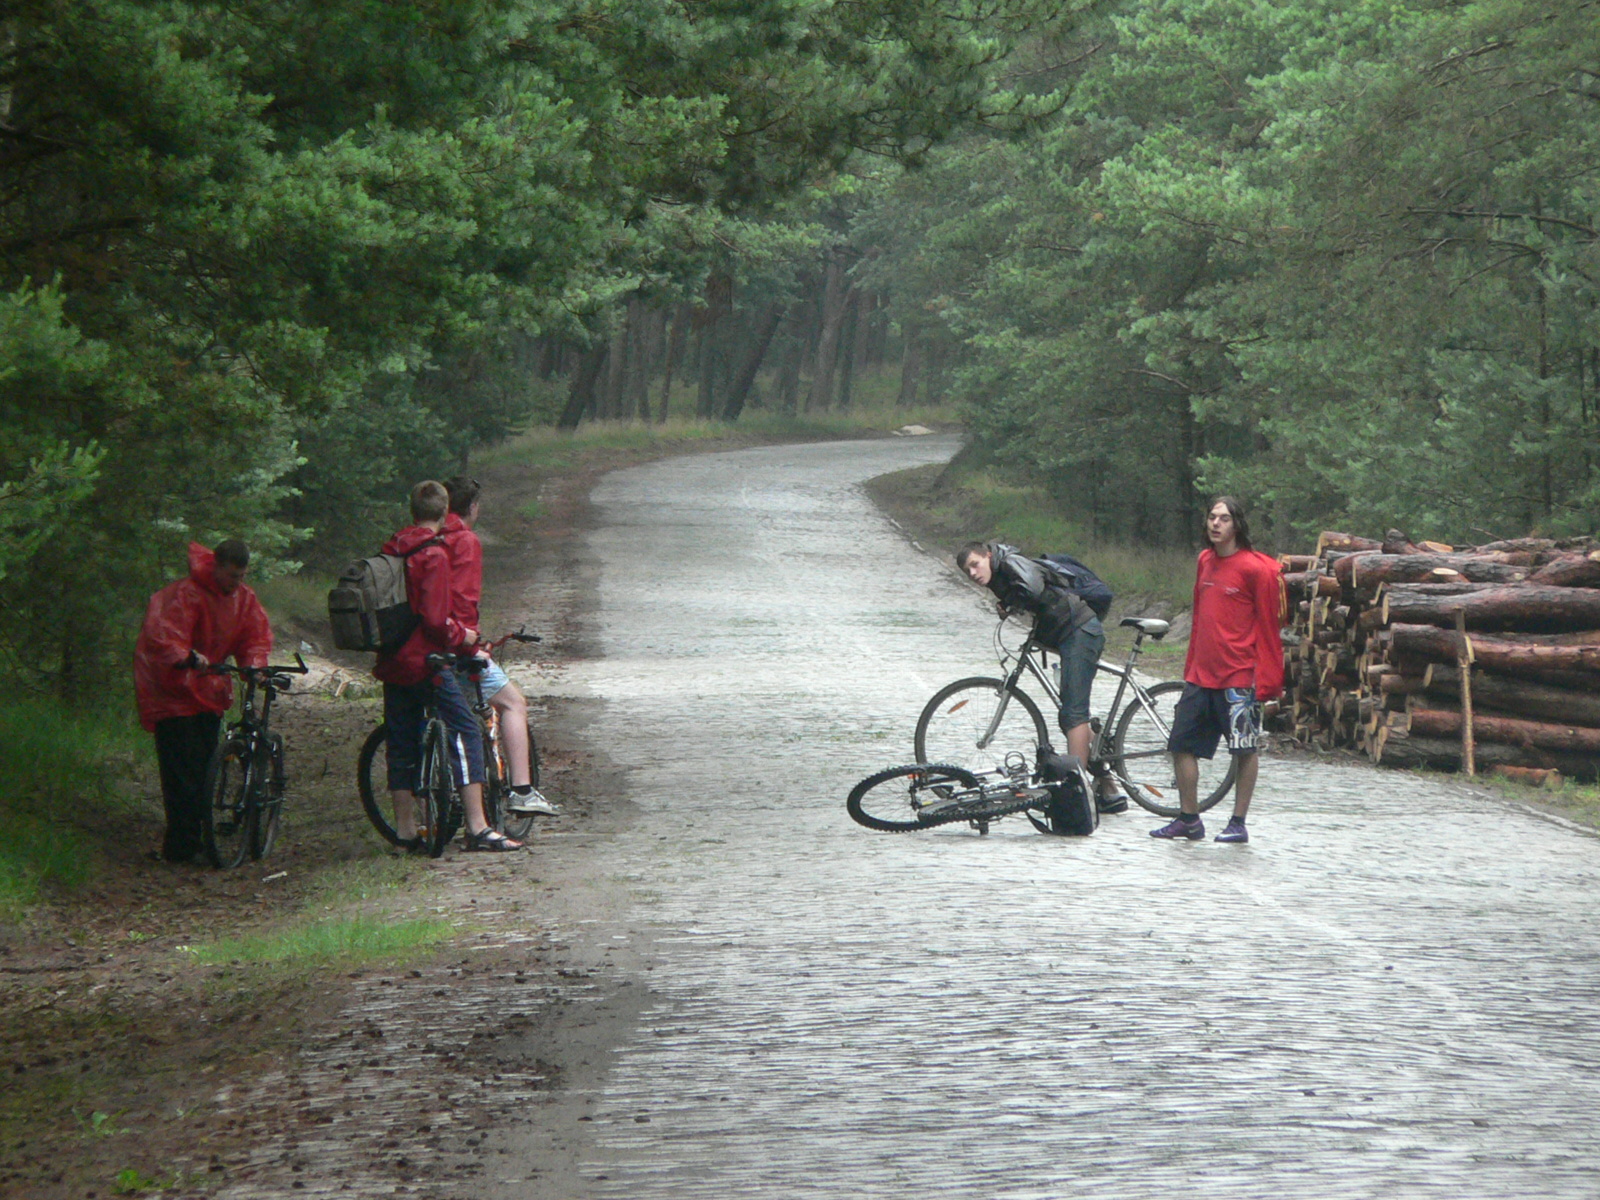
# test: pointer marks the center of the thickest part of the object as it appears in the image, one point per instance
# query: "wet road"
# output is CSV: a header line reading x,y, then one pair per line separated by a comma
x,y
1391,992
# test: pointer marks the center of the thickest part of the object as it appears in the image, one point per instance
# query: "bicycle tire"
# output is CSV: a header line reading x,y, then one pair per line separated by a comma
x,y
269,813
228,810
375,799
951,724
495,786
919,776
519,825
438,805
1140,757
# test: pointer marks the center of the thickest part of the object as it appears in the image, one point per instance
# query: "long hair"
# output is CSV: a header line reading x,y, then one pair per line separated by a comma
x,y
1241,524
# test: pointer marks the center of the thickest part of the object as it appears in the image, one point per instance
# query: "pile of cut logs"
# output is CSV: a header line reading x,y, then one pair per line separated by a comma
x,y
1423,654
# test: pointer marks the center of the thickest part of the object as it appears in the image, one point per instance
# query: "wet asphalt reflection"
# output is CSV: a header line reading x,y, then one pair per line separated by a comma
x,y
1390,992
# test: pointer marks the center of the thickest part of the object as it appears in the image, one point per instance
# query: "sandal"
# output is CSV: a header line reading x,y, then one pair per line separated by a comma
x,y
410,845
492,840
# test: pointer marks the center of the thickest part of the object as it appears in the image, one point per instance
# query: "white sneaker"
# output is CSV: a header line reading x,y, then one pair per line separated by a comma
x,y
532,801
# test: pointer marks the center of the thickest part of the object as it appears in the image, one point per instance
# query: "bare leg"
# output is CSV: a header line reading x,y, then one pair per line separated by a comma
x,y
513,711
472,806
1249,767
1187,767
405,815
1078,742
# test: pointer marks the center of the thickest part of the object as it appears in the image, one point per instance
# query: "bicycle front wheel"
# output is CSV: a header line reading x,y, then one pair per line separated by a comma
x,y
889,800
1140,756
975,723
228,811
269,815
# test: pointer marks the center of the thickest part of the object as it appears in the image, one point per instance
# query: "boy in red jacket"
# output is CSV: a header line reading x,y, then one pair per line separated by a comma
x,y
190,624
409,684
1235,661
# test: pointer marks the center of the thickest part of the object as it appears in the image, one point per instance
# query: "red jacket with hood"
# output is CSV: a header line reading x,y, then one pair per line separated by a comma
x,y
428,590
466,570
194,614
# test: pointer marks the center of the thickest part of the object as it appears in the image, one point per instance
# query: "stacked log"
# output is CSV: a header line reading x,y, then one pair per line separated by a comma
x,y
1381,632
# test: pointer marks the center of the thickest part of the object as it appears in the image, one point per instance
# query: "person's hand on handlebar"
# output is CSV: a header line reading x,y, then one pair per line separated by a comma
x,y
195,662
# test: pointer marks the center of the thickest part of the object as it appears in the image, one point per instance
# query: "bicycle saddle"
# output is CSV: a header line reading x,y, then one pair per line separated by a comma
x,y
1148,626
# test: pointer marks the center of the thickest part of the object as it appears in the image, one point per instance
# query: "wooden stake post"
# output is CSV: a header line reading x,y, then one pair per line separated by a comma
x,y
1464,661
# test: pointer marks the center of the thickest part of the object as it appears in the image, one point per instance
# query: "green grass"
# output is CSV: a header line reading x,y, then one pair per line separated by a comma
x,y
301,598
328,941
60,769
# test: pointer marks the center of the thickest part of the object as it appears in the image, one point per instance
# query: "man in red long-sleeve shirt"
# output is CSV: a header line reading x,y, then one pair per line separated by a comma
x,y
1235,661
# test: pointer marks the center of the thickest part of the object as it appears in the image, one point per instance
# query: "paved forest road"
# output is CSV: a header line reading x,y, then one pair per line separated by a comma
x,y
1391,992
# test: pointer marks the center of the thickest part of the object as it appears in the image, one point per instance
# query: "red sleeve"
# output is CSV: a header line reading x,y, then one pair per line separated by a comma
x,y
252,645
171,630
430,598
1269,643
1194,616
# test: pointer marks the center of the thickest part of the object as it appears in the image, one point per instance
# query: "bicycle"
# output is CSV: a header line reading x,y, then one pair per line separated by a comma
x,y
245,779
975,723
1057,796
440,811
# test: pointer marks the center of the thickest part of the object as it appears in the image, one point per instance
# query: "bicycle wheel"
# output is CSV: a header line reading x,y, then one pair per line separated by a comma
x,y
269,813
495,782
960,714
514,824
888,800
1139,755
228,811
438,808
372,780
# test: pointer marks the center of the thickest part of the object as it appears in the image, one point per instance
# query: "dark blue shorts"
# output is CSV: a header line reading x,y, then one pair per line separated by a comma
x,y
1205,715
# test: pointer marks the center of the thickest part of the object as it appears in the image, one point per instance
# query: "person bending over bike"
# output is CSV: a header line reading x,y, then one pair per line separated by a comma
x,y
1235,661
1062,621
409,684
466,592
193,622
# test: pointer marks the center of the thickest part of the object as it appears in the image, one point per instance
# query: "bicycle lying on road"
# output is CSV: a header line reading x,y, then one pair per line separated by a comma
x,y
245,778
1055,793
977,724
438,802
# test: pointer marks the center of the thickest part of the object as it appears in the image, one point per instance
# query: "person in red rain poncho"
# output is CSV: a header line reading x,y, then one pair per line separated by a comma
x,y
204,618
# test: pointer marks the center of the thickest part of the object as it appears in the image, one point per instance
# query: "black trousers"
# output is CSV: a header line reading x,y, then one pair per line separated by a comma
x,y
183,748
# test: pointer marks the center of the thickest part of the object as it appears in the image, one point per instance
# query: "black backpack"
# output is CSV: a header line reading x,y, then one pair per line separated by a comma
x,y
1080,581
368,607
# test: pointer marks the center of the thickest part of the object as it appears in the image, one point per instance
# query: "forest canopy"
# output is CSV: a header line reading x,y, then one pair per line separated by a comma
x,y
264,263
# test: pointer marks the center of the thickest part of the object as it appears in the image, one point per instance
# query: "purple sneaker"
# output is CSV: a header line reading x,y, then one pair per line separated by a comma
x,y
1235,832
1179,828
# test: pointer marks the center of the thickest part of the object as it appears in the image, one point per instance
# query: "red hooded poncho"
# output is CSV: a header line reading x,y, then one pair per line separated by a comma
x,y
466,570
194,614
428,590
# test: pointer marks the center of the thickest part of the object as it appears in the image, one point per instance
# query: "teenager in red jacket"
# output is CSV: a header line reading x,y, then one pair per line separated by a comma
x,y
1235,662
466,589
204,618
409,684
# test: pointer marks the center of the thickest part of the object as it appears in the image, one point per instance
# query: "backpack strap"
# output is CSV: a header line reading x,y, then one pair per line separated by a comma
x,y
436,540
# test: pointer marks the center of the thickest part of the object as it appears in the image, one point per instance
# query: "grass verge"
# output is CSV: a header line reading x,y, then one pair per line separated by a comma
x,y
327,942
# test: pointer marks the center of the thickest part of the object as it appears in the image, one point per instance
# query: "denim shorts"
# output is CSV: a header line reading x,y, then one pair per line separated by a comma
x,y
1080,653
493,680
1205,715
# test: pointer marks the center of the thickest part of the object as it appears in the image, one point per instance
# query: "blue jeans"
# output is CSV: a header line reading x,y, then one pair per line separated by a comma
x,y
403,707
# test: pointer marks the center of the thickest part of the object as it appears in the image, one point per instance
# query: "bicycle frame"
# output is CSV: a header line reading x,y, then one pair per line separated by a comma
x,y
1032,657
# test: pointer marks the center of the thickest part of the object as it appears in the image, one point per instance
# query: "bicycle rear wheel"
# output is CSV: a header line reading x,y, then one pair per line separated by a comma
x,y
961,714
514,824
269,815
438,808
1140,756
888,801
372,781
228,812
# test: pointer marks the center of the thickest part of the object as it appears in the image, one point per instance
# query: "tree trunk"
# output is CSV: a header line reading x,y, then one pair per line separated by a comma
x,y
1345,542
833,309
1575,739
581,393
1416,752
1519,697
739,390
1364,572
1571,570
676,341
1526,608
849,349
910,369
1525,659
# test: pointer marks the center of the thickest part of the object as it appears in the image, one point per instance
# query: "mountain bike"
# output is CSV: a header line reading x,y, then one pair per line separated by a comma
x,y
245,778
439,813
975,724
1056,795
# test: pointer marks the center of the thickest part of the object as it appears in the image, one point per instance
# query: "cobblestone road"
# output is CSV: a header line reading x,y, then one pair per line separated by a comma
x,y
1390,992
